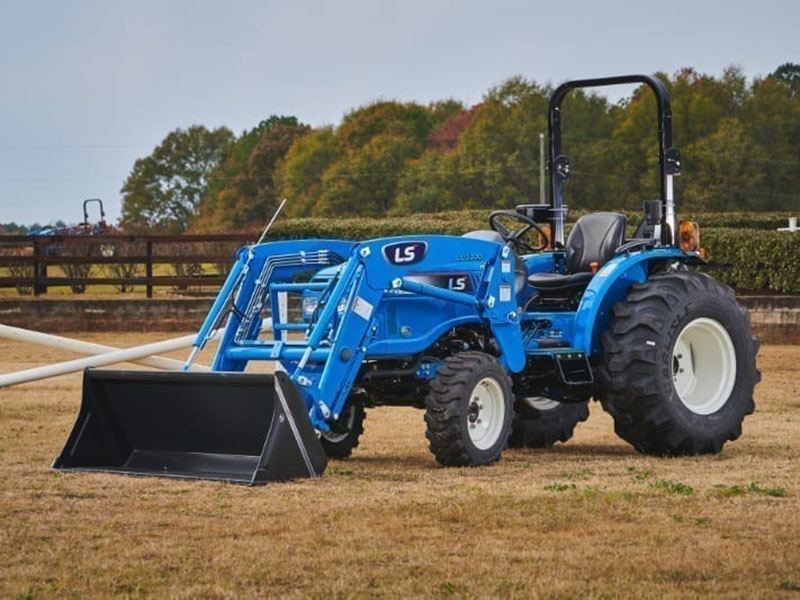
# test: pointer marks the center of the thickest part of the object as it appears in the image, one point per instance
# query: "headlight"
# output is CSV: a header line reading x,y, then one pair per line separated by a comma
x,y
310,305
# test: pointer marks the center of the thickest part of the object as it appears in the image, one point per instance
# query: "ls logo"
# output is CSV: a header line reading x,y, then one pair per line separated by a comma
x,y
405,253
458,284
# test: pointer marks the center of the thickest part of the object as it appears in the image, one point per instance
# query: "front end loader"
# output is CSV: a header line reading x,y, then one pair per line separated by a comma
x,y
501,336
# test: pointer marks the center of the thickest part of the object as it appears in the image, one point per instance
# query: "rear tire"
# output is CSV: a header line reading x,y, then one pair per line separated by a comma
x,y
679,365
541,422
469,410
340,444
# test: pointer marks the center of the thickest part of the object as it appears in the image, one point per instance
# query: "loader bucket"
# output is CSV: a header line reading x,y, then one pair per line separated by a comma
x,y
234,427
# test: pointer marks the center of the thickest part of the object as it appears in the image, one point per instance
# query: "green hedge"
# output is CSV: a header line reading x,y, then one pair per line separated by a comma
x,y
754,261
457,222
742,220
454,223
751,259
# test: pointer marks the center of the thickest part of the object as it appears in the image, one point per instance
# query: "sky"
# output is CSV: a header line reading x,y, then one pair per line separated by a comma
x,y
89,86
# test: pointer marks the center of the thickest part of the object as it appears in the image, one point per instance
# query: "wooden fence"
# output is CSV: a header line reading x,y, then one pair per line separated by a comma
x,y
121,260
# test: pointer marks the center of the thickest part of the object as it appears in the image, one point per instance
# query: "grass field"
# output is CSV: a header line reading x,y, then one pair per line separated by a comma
x,y
589,518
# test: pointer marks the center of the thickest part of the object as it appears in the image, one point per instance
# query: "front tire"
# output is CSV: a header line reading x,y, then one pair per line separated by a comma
x,y
679,365
469,410
342,439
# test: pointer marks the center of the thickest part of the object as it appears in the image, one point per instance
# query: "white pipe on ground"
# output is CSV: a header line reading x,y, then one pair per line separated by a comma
x,y
101,360
109,358
81,347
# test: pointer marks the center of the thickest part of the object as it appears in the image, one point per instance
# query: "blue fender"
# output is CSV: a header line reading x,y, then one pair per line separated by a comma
x,y
609,286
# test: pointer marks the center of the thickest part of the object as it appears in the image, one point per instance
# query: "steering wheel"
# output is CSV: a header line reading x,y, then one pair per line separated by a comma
x,y
515,237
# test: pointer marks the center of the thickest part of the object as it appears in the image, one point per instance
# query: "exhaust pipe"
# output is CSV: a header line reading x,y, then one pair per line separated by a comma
x,y
234,427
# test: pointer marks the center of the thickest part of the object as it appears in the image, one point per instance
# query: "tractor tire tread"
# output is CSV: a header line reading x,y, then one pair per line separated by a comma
x,y
630,392
443,403
344,449
534,428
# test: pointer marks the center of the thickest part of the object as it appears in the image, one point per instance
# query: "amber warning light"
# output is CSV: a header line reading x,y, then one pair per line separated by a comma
x,y
689,236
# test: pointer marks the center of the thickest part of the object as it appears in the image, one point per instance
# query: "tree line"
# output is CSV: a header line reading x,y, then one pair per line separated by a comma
x,y
740,142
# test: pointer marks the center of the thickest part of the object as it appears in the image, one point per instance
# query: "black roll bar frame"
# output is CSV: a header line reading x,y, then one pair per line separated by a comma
x,y
669,158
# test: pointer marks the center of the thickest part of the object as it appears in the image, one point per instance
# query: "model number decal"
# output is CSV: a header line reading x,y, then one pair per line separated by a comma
x,y
469,257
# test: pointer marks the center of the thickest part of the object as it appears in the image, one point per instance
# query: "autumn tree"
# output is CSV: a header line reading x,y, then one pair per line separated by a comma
x,y
771,115
740,141
724,170
243,190
490,158
789,75
300,173
355,168
164,189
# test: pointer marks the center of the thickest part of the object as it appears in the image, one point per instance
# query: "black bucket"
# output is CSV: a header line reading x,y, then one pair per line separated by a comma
x,y
236,427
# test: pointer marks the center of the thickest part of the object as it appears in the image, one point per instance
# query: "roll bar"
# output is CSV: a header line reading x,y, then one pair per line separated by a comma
x,y
669,158
86,212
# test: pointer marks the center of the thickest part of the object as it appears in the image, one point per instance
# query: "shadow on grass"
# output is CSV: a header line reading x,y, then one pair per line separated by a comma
x,y
384,462
588,450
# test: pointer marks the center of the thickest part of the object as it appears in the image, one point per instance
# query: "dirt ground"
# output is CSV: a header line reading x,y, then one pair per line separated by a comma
x,y
589,518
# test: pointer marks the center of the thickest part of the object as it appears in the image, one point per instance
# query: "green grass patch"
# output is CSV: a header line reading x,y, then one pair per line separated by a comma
x,y
732,491
343,472
577,474
559,487
774,492
638,474
448,588
672,487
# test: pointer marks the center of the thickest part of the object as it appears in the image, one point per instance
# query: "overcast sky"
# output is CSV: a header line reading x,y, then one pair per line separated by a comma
x,y
89,86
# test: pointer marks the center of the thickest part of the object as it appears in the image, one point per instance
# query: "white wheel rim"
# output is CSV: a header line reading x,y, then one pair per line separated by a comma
x,y
335,438
704,366
486,413
542,403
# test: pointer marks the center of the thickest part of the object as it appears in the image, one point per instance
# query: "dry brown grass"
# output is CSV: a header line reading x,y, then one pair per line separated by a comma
x,y
589,518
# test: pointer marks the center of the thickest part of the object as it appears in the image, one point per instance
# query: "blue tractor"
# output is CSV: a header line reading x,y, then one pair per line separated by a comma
x,y
501,336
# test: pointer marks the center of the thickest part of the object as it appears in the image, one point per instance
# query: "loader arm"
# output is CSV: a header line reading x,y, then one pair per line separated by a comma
x,y
351,322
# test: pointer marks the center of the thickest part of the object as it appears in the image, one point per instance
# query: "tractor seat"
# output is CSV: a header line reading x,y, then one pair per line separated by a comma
x,y
556,282
594,239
